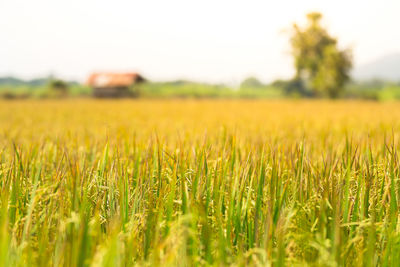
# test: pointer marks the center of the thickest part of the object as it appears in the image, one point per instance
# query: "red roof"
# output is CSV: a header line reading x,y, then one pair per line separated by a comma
x,y
108,79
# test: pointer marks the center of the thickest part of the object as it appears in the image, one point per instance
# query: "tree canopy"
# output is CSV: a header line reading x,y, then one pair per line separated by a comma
x,y
320,64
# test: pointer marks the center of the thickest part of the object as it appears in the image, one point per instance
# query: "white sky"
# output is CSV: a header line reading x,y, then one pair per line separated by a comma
x,y
209,40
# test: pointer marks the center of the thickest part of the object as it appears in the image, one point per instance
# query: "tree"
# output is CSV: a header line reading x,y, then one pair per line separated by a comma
x,y
59,87
251,82
320,64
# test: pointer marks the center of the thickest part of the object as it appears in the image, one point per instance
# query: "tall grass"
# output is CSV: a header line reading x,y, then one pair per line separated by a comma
x,y
184,183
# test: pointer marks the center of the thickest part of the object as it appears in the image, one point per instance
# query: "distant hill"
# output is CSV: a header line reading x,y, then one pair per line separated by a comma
x,y
386,68
13,81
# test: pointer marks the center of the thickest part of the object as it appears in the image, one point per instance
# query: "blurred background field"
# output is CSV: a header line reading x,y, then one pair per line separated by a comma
x,y
377,89
247,117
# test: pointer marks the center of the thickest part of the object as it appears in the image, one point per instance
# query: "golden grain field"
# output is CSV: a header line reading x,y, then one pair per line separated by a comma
x,y
212,182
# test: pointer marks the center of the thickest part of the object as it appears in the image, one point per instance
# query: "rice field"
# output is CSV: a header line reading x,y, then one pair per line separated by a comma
x,y
199,183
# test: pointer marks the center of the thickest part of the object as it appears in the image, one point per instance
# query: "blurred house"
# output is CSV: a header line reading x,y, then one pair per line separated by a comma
x,y
108,84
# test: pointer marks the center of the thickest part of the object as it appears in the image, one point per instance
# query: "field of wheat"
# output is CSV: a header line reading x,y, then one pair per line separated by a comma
x,y
183,183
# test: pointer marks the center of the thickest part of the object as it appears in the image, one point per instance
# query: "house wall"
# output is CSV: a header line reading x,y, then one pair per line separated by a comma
x,y
111,92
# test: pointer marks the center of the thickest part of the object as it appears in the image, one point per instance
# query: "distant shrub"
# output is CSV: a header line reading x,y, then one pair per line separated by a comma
x,y
58,87
252,82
